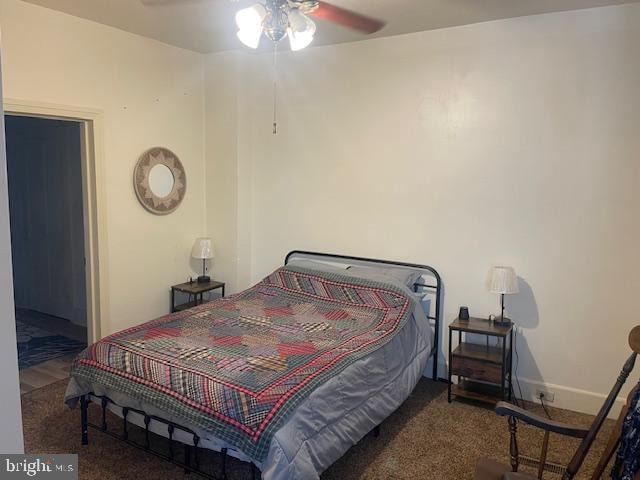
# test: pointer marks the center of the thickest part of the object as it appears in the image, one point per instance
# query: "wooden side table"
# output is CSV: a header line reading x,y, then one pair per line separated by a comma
x,y
195,290
484,372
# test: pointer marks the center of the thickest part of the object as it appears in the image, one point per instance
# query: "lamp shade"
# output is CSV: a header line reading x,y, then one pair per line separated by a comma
x,y
202,248
503,280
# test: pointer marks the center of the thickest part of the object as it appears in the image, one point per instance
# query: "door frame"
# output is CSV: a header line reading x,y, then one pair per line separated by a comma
x,y
94,211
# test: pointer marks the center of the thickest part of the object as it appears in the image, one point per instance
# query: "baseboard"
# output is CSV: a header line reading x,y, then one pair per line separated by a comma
x,y
568,398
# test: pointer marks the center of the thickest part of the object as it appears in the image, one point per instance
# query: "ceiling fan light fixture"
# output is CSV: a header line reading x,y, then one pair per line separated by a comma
x,y
249,21
249,38
301,30
298,41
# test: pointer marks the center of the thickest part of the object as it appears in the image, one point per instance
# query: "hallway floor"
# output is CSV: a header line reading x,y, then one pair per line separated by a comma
x,y
45,373
47,346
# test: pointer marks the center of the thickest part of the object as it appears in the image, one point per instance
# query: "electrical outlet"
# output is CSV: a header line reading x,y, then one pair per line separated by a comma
x,y
547,395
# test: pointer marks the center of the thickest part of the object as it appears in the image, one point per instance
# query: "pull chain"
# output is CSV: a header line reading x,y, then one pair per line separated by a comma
x,y
275,88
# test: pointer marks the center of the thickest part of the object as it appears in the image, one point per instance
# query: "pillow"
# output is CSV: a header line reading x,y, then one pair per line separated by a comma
x,y
310,264
405,276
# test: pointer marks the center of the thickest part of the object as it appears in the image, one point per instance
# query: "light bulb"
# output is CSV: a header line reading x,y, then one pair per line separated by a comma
x,y
249,21
301,30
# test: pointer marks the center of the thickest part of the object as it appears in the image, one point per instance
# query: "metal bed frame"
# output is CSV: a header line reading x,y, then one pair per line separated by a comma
x,y
190,458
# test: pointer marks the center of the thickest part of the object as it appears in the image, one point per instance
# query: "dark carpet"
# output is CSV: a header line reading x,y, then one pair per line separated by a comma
x,y
426,438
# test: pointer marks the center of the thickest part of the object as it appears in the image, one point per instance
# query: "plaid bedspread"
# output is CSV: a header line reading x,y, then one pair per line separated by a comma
x,y
239,366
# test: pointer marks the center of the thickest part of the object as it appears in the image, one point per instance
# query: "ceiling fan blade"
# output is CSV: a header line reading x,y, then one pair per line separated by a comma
x,y
347,18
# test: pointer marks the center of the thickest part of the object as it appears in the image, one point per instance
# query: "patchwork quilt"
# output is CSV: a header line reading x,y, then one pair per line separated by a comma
x,y
239,366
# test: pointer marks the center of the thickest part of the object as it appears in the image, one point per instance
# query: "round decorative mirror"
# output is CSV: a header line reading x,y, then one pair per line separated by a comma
x,y
160,181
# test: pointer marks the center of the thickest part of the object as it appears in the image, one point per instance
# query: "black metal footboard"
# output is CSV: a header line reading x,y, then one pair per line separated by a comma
x,y
189,459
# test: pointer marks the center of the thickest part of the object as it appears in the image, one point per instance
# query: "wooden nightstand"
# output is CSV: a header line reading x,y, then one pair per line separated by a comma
x,y
194,290
484,371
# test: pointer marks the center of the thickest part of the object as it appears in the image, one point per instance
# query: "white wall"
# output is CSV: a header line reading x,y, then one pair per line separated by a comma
x,y
229,169
511,142
221,141
10,413
150,94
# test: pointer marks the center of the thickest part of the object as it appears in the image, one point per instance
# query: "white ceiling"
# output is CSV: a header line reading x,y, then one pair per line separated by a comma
x,y
208,25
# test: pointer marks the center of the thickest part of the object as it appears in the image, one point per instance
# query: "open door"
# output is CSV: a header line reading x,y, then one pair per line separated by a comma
x,y
44,163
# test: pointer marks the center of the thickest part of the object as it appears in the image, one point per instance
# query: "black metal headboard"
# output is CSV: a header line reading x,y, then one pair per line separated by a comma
x,y
433,315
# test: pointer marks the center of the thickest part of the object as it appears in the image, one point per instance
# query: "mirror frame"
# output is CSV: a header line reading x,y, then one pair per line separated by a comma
x,y
149,200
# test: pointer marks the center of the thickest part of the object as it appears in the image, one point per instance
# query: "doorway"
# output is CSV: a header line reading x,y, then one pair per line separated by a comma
x,y
45,178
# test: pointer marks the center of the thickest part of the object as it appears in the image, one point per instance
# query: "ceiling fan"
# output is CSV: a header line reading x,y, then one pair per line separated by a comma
x,y
278,19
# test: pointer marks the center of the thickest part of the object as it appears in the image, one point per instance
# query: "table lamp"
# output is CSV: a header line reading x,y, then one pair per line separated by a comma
x,y
203,249
503,280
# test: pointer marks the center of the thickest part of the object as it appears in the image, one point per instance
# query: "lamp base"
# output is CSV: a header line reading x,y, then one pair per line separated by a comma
x,y
503,321
204,279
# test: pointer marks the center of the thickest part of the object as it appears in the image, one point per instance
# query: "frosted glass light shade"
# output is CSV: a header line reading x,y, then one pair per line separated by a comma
x,y
300,40
249,38
251,18
249,21
301,30
503,280
202,248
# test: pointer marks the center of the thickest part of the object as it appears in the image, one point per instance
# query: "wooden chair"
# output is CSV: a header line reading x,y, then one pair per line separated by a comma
x,y
488,469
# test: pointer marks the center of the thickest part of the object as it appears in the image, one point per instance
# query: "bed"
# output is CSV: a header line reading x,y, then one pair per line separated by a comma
x,y
286,375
